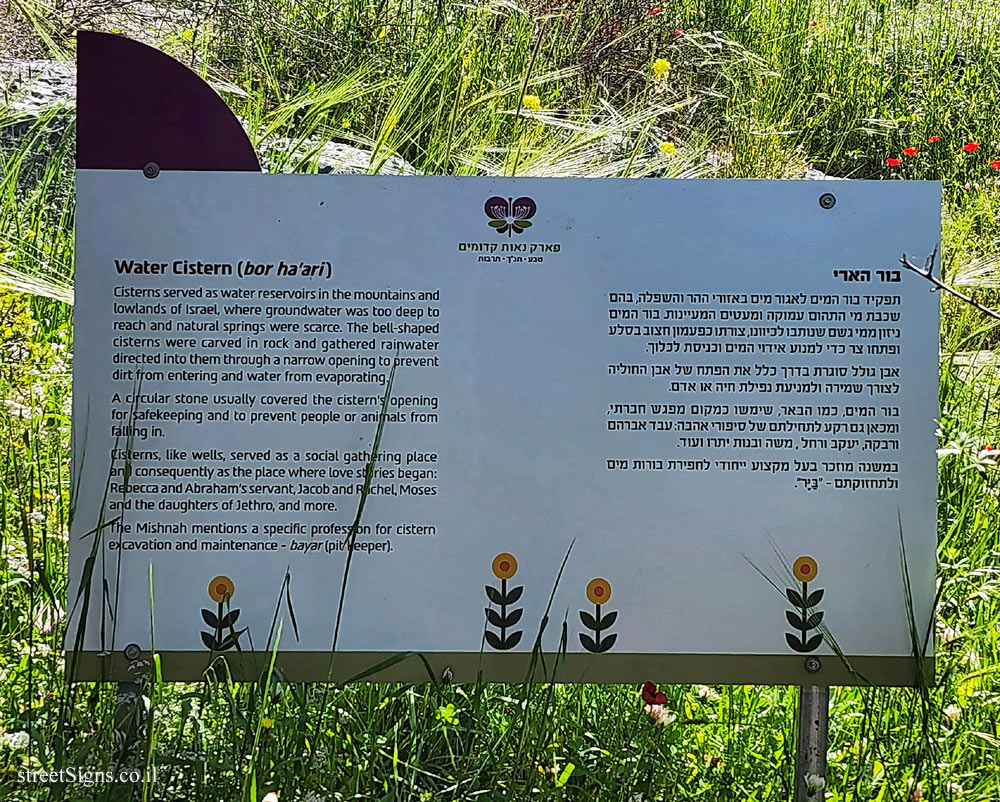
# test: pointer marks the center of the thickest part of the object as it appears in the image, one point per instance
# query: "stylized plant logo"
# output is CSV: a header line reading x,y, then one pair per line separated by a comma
x,y
510,215
223,636
805,570
504,567
599,592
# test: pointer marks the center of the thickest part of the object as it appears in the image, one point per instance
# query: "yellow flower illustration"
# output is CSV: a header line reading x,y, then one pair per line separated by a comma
x,y
221,588
531,102
599,591
504,565
668,148
805,569
661,67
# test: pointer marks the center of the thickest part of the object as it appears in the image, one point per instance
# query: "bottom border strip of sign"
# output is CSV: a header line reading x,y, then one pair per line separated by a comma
x,y
708,669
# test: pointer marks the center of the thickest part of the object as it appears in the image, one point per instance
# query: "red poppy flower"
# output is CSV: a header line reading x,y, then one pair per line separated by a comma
x,y
650,695
812,24
911,151
995,164
893,162
678,31
970,147
933,139
653,12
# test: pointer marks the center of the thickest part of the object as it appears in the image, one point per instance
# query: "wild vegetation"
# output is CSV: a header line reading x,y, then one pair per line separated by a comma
x,y
873,89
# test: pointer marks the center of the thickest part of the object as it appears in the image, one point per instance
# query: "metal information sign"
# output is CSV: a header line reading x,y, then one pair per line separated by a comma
x,y
721,393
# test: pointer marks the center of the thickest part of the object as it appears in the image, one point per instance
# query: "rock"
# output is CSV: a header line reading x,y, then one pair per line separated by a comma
x,y
282,155
35,86
32,90
40,100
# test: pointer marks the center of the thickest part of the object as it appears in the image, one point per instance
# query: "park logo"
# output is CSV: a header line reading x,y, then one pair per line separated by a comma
x,y
510,215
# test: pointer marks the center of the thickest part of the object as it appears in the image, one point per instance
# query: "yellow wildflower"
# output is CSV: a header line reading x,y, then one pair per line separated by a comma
x,y
668,148
267,723
531,102
661,67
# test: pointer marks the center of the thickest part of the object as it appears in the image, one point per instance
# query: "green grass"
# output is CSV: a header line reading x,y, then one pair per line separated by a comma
x,y
754,90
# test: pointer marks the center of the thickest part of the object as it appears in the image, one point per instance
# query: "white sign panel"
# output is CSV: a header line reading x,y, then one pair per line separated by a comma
x,y
722,393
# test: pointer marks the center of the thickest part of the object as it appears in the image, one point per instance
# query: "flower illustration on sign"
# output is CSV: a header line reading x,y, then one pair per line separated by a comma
x,y
504,568
221,589
510,215
804,618
222,636
598,593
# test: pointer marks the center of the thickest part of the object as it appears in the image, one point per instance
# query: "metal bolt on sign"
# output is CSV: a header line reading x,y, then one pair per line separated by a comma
x,y
151,170
827,200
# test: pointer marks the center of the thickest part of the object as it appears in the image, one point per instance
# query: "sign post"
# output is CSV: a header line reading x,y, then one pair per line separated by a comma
x,y
811,743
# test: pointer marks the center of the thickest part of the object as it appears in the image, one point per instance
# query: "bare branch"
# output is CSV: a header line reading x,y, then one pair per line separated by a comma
x,y
927,271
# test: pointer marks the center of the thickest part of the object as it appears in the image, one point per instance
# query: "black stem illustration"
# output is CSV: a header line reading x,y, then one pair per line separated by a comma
x,y
805,611
222,634
597,624
504,618
804,618
503,610
218,626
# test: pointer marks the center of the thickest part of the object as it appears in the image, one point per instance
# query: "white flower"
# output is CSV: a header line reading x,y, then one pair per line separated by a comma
x,y
961,443
706,694
815,783
660,715
47,616
952,713
15,741
15,408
